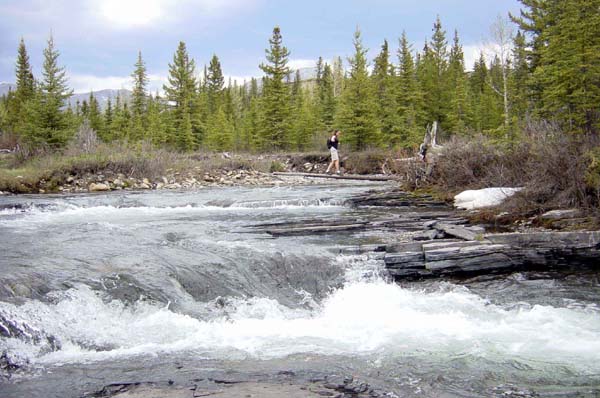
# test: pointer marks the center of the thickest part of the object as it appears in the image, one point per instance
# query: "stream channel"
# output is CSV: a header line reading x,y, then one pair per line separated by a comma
x,y
177,289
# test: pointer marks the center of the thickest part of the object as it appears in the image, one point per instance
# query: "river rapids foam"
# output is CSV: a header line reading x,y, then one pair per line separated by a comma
x,y
368,316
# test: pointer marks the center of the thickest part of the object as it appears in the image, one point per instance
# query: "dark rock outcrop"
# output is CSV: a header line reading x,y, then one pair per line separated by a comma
x,y
493,253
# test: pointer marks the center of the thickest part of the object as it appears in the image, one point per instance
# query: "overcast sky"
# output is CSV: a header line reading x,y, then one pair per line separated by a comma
x,y
99,40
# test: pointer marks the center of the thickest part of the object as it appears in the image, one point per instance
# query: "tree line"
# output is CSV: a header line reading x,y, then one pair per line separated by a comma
x,y
549,69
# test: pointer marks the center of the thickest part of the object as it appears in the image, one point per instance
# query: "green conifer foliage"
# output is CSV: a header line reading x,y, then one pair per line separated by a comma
x,y
181,91
356,114
52,127
457,87
385,93
156,126
25,81
410,98
569,67
519,77
275,121
432,75
215,84
106,133
326,99
16,102
220,131
140,83
95,116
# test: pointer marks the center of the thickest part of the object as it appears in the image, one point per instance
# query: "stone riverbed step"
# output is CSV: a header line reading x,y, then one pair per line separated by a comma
x,y
493,253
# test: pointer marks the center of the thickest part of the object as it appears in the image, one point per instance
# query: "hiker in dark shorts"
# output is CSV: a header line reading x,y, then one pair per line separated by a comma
x,y
332,144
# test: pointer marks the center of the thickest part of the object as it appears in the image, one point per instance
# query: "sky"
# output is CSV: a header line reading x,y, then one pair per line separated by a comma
x,y
99,40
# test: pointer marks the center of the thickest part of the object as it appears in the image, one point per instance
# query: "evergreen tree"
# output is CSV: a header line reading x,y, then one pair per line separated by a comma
x,y
214,84
485,103
181,90
385,94
357,111
275,126
220,131
519,77
106,133
251,119
185,134
410,98
326,99
432,75
95,116
568,72
52,127
16,102
120,125
458,111
139,94
24,76
534,20
156,126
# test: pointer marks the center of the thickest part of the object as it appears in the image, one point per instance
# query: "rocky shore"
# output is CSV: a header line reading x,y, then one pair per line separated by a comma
x,y
194,179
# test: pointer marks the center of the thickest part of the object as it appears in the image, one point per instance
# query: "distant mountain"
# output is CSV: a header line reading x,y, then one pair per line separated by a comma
x,y
101,96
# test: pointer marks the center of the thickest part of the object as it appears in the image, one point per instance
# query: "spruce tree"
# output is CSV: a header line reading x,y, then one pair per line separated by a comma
x,y
220,131
433,68
52,126
139,94
24,76
275,126
356,114
95,116
326,99
385,93
156,126
215,84
106,134
251,119
181,90
16,103
410,98
458,111
569,67
519,77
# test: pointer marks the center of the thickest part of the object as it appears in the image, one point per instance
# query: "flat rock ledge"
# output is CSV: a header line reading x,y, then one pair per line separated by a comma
x,y
492,253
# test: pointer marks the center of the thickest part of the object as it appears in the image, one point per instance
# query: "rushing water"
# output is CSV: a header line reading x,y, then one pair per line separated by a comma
x,y
151,284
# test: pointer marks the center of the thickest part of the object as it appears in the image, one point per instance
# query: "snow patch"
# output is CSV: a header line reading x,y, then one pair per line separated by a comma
x,y
475,199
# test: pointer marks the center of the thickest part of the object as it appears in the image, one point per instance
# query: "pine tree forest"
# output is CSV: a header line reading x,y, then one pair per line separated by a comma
x,y
547,66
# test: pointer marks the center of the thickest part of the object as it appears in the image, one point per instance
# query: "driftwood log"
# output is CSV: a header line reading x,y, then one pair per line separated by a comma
x,y
338,176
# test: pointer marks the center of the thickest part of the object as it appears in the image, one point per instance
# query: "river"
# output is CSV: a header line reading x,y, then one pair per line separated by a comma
x,y
179,286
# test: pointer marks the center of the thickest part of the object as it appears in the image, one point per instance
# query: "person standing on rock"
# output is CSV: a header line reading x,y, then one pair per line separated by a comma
x,y
332,145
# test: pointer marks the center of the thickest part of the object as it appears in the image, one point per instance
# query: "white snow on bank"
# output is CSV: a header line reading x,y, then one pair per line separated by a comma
x,y
475,199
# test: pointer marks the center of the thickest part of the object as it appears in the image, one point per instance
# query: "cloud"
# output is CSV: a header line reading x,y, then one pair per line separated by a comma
x,y
302,63
136,14
83,83
472,53
131,13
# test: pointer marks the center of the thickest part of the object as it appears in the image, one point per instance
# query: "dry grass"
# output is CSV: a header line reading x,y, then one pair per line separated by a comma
x,y
140,161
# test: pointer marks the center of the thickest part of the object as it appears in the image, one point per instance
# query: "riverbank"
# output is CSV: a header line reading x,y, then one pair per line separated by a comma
x,y
112,168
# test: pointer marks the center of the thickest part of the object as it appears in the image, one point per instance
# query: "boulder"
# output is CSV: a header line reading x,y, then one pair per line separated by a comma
x,y
560,214
98,187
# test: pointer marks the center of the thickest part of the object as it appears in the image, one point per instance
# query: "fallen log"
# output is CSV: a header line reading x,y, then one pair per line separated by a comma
x,y
338,176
